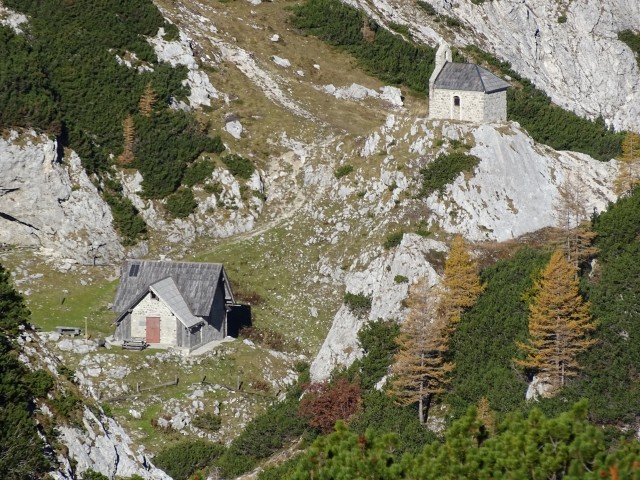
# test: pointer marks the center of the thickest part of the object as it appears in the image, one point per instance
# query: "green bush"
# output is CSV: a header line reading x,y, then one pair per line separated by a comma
x,y
383,54
562,19
343,170
401,279
198,172
39,383
262,437
239,166
181,204
183,459
393,240
357,302
167,142
444,170
208,421
427,7
377,340
22,449
632,39
126,218
66,404
76,44
483,348
93,475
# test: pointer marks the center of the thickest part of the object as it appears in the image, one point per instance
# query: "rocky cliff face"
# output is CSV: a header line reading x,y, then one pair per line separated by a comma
x,y
94,441
569,49
50,203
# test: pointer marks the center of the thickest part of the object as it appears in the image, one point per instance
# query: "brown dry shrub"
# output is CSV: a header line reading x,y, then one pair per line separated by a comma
x,y
324,403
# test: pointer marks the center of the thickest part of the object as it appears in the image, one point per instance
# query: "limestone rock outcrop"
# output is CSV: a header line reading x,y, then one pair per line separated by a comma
x,y
49,202
378,281
515,189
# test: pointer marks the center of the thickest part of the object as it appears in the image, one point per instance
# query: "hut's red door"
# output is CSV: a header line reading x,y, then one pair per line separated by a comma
x,y
153,329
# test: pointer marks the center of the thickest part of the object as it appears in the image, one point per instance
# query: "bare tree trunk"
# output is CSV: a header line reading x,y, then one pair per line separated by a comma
x,y
420,407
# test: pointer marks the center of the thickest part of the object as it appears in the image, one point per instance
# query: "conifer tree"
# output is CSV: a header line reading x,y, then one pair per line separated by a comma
x,y
419,370
577,236
460,283
629,165
128,136
486,415
559,320
147,101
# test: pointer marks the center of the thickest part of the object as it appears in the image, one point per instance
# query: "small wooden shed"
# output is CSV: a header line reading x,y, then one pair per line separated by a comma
x,y
181,304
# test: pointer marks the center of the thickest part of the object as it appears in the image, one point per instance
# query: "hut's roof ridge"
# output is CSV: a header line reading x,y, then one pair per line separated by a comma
x,y
468,77
196,282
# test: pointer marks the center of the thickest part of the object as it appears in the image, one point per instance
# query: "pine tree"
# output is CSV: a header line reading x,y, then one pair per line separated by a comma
x,y
147,101
419,370
559,320
461,283
128,136
629,165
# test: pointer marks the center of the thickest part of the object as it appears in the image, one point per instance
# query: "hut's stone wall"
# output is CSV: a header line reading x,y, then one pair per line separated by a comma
x,y
152,307
473,106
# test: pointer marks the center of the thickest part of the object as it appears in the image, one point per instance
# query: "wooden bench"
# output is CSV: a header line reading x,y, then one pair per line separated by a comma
x,y
135,343
73,331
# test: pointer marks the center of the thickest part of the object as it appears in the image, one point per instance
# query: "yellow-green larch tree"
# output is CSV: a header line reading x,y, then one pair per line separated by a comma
x,y
147,101
461,285
629,165
419,370
559,321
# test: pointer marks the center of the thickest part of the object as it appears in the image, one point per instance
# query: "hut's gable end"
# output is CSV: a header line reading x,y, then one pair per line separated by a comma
x,y
149,308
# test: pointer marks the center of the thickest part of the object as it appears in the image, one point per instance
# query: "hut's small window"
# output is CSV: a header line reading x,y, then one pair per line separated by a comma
x,y
133,271
456,101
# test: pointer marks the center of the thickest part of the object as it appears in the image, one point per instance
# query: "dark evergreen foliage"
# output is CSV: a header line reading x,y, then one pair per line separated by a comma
x,y
181,203
632,39
168,141
611,368
444,170
377,340
126,219
382,53
239,166
483,345
183,459
26,95
198,172
21,449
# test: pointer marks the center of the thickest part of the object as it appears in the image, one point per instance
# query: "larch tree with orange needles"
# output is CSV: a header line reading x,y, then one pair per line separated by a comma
x,y
559,321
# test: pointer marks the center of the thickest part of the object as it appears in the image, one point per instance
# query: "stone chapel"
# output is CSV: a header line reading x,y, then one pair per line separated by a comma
x,y
465,91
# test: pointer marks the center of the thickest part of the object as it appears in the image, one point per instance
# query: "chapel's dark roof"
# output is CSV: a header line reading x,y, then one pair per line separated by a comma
x,y
469,77
196,282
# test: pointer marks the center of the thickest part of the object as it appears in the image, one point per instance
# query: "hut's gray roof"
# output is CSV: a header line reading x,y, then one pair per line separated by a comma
x,y
468,77
195,282
168,292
